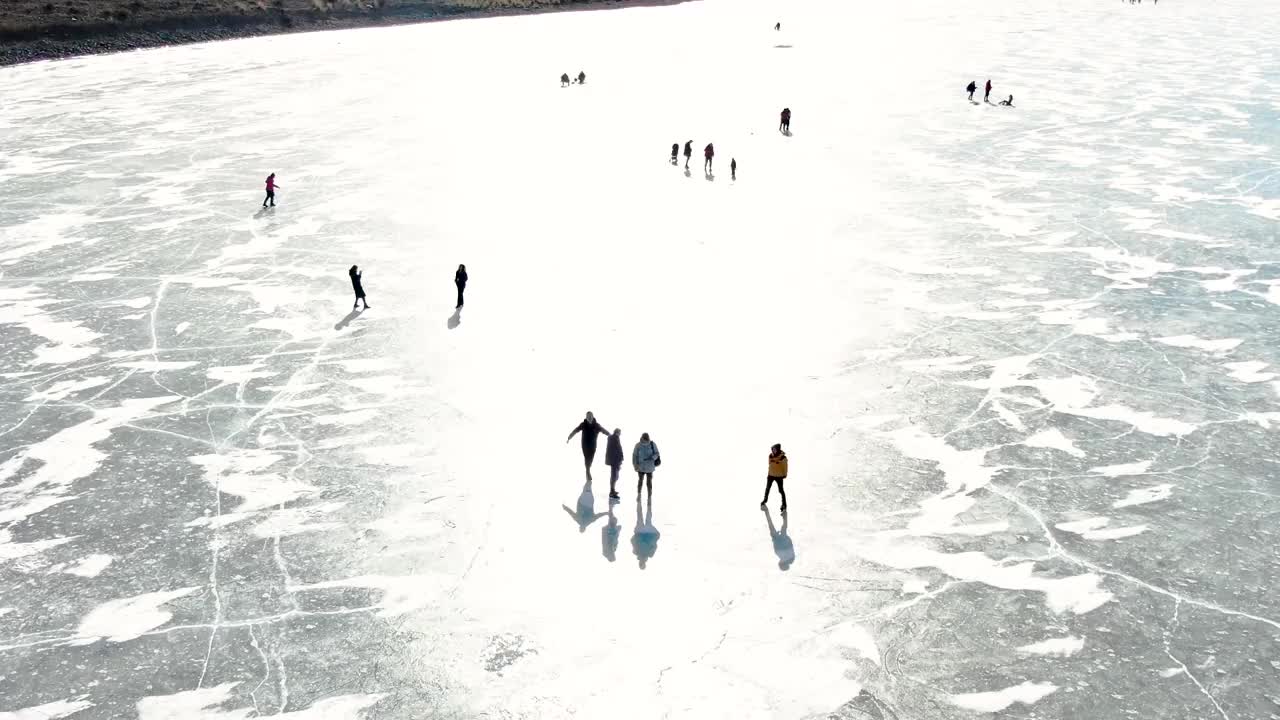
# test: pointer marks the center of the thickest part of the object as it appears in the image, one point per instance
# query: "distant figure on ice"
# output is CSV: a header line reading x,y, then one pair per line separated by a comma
x,y
785,125
708,153
613,458
582,77
782,546
972,88
688,153
777,26
675,153
777,473
590,429
733,168
564,80
358,287
986,96
645,459
1007,103
271,191
460,280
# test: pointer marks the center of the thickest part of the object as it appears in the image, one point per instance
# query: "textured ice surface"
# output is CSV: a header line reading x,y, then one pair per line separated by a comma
x,y
1023,361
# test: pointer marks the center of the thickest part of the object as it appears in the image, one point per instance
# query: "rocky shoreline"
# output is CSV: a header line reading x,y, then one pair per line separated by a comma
x,y
64,40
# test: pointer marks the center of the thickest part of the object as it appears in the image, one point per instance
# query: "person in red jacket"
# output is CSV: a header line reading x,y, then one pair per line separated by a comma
x,y
271,191
986,96
785,125
708,153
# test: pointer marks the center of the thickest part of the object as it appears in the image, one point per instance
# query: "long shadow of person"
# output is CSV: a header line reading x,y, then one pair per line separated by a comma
x,y
711,177
609,537
782,546
455,319
586,512
644,542
347,320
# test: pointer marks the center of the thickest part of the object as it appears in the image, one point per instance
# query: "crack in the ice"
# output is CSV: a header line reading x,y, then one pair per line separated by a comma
x,y
1168,640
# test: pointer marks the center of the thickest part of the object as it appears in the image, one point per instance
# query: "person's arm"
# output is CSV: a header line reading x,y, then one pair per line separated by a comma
x,y
635,458
575,432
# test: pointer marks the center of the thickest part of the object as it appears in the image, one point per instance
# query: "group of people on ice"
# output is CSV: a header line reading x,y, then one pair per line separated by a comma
x,y
972,87
565,82
709,152
645,460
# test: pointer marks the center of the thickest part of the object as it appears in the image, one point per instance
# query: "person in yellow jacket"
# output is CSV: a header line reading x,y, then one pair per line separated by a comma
x,y
777,473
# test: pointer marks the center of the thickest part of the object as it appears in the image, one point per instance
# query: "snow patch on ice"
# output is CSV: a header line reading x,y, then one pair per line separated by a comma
x,y
49,711
1134,468
1143,496
1062,647
91,566
1249,372
1095,528
65,388
859,639
400,594
1054,440
1027,693
128,618
1191,341
181,327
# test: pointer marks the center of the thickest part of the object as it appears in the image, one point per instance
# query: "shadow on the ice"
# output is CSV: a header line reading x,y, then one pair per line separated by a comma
x,y
455,319
644,541
782,546
711,177
782,47
787,132
688,172
586,513
347,320
609,536
264,212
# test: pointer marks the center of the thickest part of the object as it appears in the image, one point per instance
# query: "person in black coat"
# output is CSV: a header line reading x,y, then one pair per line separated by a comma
x,y
613,458
460,279
590,430
358,287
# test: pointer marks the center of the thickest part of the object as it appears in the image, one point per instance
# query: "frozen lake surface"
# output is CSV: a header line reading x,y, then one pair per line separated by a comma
x,y
1023,361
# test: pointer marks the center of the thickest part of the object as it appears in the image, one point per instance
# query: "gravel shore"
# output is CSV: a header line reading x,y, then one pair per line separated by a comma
x,y
32,30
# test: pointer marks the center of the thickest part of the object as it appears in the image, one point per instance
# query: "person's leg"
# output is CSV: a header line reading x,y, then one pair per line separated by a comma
x,y
782,491
648,479
639,484
459,304
613,480
768,485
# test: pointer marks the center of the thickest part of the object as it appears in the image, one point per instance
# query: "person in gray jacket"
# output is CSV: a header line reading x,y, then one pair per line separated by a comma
x,y
645,459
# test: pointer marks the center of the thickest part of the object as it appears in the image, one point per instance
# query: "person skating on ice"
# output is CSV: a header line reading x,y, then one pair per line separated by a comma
x,y
645,459
271,191
708,153
590,430
613,458
777,474
460,280
733,168
688,153
675,153
986,96
972,88
358,287
785,125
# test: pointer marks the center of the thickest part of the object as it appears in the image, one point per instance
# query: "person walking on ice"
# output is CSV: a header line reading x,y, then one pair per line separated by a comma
x,y
675,153
645,459
777,474
785,126
708,153
613,458
688,153
972,88
460,280
733,168
271,191
356,285
986,96
590,430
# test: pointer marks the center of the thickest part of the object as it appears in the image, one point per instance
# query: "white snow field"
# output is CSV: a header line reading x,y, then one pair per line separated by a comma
x,y
1023,362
